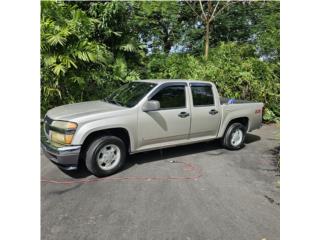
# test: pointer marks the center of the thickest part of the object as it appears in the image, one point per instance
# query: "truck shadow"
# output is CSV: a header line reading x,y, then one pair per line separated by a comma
x,y
212,148
250,138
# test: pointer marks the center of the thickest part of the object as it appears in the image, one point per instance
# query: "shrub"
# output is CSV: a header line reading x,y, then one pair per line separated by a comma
x,y
234,68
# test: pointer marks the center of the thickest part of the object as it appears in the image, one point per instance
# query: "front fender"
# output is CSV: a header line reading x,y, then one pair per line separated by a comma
x,y
128,123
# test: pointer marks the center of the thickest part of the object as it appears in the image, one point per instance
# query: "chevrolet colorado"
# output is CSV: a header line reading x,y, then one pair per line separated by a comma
x,y
141,116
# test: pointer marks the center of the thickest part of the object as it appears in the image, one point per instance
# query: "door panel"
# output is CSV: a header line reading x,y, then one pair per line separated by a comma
x,y
203,123
205,116
163,125
171,122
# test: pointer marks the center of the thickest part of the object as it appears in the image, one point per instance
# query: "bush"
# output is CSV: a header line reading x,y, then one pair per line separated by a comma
x,y
234,68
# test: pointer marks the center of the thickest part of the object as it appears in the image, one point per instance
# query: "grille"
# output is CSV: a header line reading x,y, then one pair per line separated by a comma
x,y
47,122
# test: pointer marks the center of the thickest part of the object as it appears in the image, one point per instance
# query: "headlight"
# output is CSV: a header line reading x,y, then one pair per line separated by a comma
x,y
64,125
62,132
61,138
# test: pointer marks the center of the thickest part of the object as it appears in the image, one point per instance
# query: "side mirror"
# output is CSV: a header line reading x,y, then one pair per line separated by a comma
x,y
151,105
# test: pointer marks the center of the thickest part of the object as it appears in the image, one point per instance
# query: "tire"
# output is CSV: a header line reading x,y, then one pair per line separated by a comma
x,y
105,156
230,140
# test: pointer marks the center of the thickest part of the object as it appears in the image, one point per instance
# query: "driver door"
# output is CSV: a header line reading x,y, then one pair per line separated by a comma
x,y
171,122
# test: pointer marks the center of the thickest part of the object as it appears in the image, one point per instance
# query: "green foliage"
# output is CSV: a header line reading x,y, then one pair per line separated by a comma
x,y
70,60
234,68
268,30
269,115
90,48
76,65
158,24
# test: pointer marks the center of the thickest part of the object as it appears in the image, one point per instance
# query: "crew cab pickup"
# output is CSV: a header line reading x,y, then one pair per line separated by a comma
x,y
141,116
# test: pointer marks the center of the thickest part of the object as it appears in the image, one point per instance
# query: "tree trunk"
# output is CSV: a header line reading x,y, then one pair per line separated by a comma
x,y
167,44
206,48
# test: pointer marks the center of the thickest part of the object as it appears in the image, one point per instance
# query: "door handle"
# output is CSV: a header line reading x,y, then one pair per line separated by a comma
x,y
213,112
183,114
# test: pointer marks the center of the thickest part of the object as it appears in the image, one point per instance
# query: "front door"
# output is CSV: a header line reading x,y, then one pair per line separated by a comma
x,y
171,122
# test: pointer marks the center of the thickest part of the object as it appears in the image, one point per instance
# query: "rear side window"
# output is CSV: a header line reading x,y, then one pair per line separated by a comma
x,y
171,97
202,95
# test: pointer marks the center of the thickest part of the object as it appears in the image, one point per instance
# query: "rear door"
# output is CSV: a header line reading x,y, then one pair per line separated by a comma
x,y
205,115
172,121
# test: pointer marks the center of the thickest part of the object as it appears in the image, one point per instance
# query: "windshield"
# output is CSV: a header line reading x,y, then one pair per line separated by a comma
x,y
130,94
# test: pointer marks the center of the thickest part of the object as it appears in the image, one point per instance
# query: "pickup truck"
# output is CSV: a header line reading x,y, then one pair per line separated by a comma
x,y
141,116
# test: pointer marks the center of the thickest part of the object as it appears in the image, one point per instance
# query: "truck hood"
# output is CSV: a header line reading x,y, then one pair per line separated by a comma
x,y
77,111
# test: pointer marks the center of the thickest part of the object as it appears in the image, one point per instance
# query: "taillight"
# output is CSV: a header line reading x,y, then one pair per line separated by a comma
x,y
258,111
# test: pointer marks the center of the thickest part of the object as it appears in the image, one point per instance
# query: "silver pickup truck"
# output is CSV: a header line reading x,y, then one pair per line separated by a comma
x,y
141,116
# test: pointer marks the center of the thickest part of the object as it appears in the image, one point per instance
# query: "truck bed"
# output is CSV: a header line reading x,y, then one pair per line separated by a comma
x,y
238,108
224,100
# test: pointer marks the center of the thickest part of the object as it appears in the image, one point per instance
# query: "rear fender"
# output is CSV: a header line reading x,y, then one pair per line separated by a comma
x,y
230,114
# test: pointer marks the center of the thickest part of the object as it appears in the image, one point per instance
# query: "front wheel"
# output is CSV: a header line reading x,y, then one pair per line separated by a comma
x,y
234,136
105,156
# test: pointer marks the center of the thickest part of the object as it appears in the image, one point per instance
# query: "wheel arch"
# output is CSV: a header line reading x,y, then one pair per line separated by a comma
x,y
243,120
119,132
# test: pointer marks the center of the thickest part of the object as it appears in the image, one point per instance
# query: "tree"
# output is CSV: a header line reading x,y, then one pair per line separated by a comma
x,y
207,14
90,48
257,23
69,57
117,29
158,24
267,31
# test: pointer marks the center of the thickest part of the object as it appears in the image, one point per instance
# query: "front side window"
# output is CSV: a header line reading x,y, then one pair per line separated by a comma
x,y
130,94
171,97
202,95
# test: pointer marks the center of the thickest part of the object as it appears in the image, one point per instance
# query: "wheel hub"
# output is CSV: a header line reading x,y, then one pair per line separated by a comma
x,y
236,138
108,156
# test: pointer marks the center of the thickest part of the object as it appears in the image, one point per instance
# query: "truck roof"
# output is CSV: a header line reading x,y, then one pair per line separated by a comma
x,y
160,81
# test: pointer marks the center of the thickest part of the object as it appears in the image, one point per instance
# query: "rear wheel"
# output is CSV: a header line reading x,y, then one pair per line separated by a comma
x,y
105,156
234,136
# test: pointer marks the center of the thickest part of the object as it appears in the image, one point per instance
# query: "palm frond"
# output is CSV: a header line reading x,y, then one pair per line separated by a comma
x,y
59,69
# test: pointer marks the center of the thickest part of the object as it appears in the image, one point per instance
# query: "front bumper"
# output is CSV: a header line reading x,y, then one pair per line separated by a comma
x,y
66,157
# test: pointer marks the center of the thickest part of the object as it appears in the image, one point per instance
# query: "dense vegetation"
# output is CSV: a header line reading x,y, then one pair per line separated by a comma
x,y
90,48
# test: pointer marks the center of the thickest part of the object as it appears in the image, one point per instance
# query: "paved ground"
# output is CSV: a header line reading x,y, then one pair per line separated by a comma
x,y
236,198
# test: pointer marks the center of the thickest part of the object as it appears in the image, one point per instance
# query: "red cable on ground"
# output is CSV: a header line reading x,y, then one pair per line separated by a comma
x,y
189,167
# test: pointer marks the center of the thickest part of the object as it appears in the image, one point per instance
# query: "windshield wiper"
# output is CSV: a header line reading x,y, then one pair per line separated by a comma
x,y
112,101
